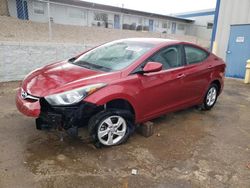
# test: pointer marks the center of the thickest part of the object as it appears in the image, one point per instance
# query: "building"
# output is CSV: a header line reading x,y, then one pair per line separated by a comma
x,y
203,22
75,12
231,35
4,8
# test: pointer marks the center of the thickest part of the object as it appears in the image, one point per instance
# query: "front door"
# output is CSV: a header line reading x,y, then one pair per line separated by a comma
x,y
238,51
117,21
151,25
162,91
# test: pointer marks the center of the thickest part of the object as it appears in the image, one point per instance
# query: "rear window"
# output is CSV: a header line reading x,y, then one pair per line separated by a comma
x,y
195,55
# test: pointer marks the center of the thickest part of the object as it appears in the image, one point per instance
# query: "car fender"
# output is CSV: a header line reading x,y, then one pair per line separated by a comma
x,y
212,79
114,92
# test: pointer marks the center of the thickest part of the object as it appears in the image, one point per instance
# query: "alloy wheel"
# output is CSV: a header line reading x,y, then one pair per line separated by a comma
x,y
211,96
112,130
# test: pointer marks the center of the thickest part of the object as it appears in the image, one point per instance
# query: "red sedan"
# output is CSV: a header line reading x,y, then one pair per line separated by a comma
x,y
119,84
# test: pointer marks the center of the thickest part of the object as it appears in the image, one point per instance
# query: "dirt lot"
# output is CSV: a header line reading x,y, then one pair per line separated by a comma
x,y
190,148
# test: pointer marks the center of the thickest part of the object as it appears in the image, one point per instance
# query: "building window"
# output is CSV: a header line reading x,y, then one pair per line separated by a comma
x,y
76,13
140,20
169,26
146,22
156,23
38,7
181,27
100,17
210,25
165,25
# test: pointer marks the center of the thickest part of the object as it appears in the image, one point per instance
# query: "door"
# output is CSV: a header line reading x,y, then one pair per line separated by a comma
x,y
173,28
22,9
238,51
117,21
197,73
161,91
151,25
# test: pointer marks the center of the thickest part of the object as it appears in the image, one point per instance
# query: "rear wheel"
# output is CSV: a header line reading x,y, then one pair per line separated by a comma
x,y
210,98
110,127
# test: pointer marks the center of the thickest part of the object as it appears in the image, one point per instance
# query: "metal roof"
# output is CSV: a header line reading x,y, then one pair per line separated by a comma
x,y
90,5
205,12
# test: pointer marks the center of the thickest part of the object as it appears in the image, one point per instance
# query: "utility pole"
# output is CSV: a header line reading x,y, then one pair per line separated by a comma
x,y
122,16
50,30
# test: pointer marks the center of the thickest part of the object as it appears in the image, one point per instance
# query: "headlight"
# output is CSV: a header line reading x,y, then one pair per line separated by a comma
x,y
73,96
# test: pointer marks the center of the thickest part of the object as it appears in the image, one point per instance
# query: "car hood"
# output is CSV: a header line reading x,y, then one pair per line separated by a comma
x,y
63,76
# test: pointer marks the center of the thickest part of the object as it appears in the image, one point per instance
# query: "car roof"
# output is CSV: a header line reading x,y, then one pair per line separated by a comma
x,y
163,41
160,42
154,41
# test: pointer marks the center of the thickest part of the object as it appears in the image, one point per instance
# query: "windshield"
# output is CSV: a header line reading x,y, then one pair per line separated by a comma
x,y
113,56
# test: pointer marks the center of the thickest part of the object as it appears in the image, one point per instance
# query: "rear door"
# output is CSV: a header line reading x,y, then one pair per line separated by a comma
x,y
197,73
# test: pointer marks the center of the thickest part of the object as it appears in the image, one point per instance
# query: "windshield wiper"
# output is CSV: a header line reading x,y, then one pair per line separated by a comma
x,y
98,67
88,65
83,64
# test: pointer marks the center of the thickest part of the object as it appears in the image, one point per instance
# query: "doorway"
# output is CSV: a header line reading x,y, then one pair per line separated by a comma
x,y
238,51
117,21
22,9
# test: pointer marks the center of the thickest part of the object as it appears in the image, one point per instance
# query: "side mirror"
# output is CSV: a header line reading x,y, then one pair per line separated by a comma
x,y
152,67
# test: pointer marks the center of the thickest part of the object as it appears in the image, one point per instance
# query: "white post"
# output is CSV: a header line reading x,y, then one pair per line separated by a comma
x,y
143,22
121,18
121,24
50,29
87,17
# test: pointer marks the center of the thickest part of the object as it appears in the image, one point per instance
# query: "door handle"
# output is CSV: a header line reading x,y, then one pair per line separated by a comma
x,y
181,76
210,66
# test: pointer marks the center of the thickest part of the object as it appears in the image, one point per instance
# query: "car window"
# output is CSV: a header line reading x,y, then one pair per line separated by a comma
x,y
194,55
169,57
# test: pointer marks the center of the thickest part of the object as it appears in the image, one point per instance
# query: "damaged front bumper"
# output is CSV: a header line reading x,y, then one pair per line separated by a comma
x,y
56,117
64,117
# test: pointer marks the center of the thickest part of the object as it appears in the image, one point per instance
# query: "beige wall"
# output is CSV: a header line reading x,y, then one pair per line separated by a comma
x,y
25,30
4,8
231,12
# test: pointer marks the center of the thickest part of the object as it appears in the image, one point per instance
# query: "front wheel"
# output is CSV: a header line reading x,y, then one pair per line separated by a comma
x,y
210,98
110,127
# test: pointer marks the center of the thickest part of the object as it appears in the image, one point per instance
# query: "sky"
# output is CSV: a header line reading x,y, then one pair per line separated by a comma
x,y
161,6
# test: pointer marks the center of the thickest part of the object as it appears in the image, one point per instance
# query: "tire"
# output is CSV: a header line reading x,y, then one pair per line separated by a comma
x,y
104,130
210,97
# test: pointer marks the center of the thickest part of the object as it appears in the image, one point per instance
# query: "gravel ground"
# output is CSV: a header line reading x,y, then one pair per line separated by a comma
x,y
190,148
